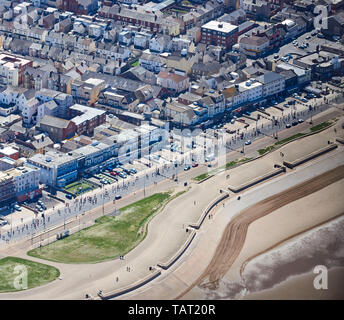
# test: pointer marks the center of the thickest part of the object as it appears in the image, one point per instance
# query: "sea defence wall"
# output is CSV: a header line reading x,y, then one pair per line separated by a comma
x,y
198,224
113,294
310,156
170,262
257,180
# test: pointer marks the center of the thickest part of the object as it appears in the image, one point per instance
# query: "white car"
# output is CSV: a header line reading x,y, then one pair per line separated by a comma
x,y
17,207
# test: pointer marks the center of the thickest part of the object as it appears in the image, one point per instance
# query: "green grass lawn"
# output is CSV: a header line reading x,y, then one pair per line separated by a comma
x,y
320,126
109,237
235,162
265,150
135,64
293,137
37,273
79,187
201,176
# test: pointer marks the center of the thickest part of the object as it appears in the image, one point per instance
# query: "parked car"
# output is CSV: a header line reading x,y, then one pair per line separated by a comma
x,y
294,123
248,142
187,168
133,171
69,196
300,120
2,223
308,37
113,173
320,35
17,207
194,165
288,125
117,197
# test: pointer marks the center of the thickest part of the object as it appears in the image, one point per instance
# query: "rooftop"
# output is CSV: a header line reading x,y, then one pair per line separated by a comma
x,y
220,26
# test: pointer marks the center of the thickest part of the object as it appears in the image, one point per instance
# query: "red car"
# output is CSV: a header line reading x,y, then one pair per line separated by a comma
x,y
113,173
194,165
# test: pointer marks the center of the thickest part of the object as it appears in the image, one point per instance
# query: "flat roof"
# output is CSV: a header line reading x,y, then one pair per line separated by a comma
x,y
8,151
220,26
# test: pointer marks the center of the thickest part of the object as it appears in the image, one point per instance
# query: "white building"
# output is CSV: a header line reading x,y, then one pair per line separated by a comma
x,y
273,83
247,91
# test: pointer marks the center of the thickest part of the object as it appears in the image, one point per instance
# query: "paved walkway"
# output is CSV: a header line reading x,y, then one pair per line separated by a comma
x,y
77,280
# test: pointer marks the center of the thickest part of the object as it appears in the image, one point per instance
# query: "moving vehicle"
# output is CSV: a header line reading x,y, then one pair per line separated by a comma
x,y
61,235
209,157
